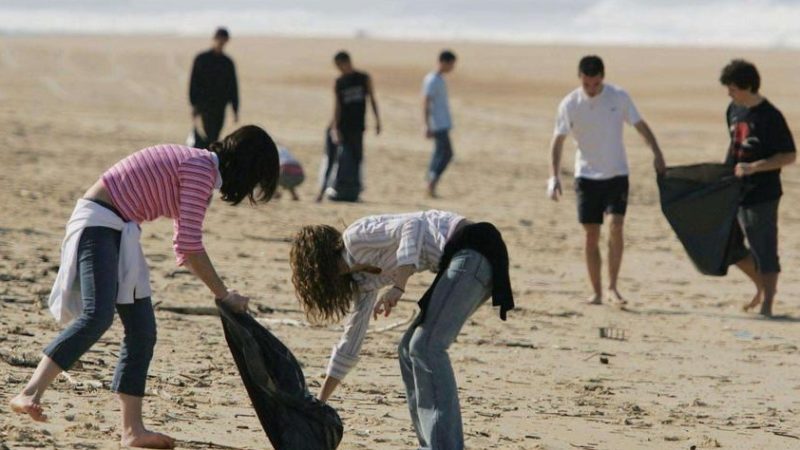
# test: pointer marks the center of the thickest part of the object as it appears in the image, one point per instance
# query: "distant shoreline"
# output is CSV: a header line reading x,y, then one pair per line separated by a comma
x,y
408,39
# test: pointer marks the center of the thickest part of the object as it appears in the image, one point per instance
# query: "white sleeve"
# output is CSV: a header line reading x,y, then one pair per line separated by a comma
x,y
410,245
630,113
345,353
563,121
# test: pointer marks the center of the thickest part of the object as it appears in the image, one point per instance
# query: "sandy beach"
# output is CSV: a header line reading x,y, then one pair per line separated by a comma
x,y
693,371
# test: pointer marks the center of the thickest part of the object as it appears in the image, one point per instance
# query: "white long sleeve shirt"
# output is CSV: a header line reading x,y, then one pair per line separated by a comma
x,y
387,242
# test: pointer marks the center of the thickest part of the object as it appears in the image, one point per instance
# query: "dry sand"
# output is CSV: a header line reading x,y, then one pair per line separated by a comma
x,y
695,370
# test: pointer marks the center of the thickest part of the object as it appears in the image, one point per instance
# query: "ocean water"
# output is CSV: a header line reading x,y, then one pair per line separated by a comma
x,y
728,23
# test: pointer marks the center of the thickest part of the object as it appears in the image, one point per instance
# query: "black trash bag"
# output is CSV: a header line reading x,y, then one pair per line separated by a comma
x,y
292,418
700,202
346,183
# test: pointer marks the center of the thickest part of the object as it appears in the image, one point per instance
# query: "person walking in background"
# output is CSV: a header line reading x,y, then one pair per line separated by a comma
x,y
212,87
340,176
438,123
103,268
761,144
594,113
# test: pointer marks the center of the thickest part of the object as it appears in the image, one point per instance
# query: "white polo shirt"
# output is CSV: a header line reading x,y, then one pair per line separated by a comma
x,y
596,124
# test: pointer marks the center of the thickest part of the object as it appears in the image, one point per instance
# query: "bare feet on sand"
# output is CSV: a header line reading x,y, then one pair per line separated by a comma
x,y
596,299
766,309
615,298
431,190
757,299
147,439
27,404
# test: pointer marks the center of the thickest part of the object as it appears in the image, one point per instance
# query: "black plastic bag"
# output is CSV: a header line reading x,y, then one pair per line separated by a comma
x,y
292,418
701,202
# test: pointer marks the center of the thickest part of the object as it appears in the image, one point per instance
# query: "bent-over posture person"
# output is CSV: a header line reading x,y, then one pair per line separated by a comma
x,y
594,113
334,272
761,143
103,266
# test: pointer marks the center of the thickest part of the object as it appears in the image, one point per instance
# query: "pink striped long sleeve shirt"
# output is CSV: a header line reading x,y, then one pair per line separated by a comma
x,y
171,181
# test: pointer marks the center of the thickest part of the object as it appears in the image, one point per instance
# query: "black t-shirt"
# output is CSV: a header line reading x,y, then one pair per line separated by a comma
x,y
213,82
758,133
351,93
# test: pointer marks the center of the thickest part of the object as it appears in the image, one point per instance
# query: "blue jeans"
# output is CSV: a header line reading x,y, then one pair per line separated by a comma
x,y
98,260
442,154
431,388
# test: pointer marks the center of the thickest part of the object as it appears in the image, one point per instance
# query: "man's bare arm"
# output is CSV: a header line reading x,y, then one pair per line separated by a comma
x,y
374,103
650,138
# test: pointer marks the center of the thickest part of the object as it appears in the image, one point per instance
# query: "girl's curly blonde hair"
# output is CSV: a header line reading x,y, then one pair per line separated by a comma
x,y
324,292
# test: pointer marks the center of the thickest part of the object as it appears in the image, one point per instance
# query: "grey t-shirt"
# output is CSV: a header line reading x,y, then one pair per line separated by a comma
x,y
435,88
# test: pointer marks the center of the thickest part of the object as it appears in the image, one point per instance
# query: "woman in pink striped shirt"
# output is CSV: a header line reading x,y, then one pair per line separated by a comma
x,y
102,254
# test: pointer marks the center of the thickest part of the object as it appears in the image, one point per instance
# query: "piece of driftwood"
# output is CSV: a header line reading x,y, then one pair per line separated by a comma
x,y
272,310
19,360
785,434
285,240
207,445
212,311
503,343
287,322
394,325
190,310
602,354
74,382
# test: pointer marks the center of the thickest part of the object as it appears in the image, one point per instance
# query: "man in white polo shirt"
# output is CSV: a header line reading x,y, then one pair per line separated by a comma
x,y
594,113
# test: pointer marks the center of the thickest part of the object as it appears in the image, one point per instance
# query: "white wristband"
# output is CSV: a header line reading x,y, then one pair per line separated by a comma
x,y
552,184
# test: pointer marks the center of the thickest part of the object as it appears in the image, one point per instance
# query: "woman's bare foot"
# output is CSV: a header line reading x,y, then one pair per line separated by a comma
x,y
28,404
596,299
614,297
757,299
147,439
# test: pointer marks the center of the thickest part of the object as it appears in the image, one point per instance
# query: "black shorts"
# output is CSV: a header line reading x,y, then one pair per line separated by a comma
x,y
759,224
597,197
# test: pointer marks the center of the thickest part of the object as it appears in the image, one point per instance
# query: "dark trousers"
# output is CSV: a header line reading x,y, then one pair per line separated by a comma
x,y
329,162
213,119
759,224
98,260
442,154
342,172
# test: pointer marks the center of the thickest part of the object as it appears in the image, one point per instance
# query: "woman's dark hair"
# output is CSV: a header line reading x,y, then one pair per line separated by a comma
x,y
591,66
323,291
248,161
742,74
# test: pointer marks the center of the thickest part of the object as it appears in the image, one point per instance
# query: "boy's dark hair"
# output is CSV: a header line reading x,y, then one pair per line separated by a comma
x,y
591,66
742,74
341,57
447,56
248,160
222,33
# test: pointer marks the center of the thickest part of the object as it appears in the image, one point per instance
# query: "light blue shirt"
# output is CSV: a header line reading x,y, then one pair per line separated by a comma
x,y
435,88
